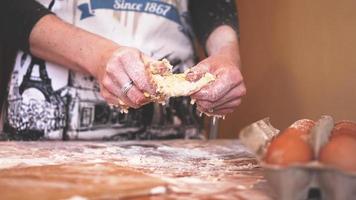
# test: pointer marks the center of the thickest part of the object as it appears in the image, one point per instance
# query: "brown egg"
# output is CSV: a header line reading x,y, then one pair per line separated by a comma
x,y
344,127
300,128
291,146
339,152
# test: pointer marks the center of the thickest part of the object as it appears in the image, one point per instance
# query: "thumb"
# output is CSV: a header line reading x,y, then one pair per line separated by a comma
x,y
157,66
197,72
147,59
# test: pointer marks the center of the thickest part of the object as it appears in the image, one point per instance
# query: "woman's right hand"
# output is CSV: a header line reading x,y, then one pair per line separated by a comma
x,y
124,65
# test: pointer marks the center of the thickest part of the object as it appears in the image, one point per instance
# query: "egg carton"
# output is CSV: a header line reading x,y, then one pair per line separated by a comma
x,y
294,182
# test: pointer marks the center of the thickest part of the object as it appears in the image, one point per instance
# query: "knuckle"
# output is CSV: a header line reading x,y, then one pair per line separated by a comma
x,y
104,95
243,91
122,55
128,54
237,103
235,76
234,70
109,69
241,78
125,59
106,81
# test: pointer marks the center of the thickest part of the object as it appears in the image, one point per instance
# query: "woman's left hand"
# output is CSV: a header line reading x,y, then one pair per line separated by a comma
x,y
223,95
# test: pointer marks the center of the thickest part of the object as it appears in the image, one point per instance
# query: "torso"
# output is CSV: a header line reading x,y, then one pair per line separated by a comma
x,y
50,101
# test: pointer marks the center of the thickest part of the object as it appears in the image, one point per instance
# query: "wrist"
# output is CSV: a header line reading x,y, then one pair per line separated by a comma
x,y
101,55
221,39
223,42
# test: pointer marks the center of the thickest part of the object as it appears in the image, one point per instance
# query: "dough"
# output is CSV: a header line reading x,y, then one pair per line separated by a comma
x,y
174,85
171,85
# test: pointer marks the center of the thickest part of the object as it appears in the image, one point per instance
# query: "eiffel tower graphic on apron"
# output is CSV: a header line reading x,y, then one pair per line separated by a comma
x,y
30,126
42,82
32,117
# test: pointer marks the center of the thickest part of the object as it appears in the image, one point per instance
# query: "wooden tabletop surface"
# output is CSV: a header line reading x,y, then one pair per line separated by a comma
x,y
177,169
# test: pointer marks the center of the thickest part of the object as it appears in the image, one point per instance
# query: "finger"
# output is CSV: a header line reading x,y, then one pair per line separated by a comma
x,y
233,94
118,75
136,70
195,73
229,105
224,112
136,96
108,96
193,76
114,101
156,67
115,88
214,91
201,67
225,81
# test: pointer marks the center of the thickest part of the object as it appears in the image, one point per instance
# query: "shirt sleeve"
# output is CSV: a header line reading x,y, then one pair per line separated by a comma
x,y
17,18
209,14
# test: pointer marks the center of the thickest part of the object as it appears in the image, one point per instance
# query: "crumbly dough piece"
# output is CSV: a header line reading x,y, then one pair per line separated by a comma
x,y
171,85
174,85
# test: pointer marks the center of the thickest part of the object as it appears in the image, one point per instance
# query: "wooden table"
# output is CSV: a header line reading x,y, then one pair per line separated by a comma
x,y
177,169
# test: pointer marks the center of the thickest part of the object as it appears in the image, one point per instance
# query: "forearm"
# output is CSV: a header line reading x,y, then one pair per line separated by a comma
x,y
223,40
208,15
224,94
57,41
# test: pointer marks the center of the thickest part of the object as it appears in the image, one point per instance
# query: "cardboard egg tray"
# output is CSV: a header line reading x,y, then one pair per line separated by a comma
x,y
294,182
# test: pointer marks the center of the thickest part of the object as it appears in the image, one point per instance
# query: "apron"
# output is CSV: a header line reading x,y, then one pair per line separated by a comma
x,y
49,101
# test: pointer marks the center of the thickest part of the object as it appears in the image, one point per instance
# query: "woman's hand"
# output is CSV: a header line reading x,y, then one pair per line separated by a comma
x,y
125,65
223,95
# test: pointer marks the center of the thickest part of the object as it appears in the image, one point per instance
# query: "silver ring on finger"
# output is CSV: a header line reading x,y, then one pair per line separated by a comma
x,y
126,87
